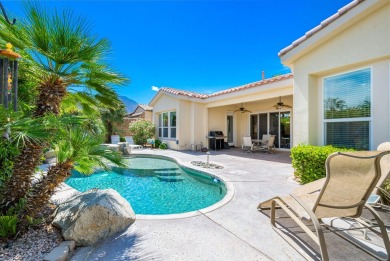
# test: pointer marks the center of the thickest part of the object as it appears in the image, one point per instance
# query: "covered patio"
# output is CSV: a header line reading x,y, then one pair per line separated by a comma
x,y
185,119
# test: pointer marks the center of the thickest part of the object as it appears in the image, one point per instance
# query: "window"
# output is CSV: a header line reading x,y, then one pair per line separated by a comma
x,y
347,109
167,125
273,123
172,117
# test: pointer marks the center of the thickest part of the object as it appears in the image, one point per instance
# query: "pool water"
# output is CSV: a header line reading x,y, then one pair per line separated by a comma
x,y
155,186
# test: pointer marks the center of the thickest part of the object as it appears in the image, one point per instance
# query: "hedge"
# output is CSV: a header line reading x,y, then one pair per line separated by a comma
x,y
309,161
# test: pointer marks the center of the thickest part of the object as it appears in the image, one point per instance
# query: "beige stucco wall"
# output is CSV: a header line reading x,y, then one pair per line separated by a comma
x,y
198,126
366,43
191,121
165,104
148,115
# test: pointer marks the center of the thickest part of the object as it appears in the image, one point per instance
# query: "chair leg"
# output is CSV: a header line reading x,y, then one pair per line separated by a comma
x,y
382,228
318,238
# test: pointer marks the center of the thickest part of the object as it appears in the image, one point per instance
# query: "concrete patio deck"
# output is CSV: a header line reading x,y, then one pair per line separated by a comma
x,y
234,231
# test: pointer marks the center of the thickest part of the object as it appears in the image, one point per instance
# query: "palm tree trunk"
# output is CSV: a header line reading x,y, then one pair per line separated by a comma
x,y
51,93
19,183
45,188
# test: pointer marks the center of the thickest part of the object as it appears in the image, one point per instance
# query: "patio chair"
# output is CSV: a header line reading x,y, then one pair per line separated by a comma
x,y
130,144
115,139
264,140
377,192
268,146
247,144
360,171
385,169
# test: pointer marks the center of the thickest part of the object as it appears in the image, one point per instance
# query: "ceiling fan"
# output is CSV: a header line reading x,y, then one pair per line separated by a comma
x,y
279,105
242,109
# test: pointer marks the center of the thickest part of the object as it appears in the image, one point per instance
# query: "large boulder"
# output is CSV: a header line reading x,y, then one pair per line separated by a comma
x,y
93,215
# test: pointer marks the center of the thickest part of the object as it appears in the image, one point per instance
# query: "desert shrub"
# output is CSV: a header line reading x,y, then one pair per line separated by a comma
x,y
142,130
163,146
309,161
157,143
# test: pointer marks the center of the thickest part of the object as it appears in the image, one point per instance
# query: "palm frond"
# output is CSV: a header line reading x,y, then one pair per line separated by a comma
x,y
84,148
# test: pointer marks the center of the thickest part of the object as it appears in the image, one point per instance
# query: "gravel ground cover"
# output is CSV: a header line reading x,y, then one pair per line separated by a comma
x,y
34,244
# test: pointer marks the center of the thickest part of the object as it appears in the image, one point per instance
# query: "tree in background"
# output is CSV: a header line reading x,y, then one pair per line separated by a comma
x,y
110,116
142,130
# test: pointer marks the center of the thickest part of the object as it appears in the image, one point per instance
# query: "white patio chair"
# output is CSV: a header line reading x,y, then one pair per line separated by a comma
x,y
115,139
130,144
247,144
269,145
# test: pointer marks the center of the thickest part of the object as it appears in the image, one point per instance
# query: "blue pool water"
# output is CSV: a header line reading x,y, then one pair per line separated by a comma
x,y
155,186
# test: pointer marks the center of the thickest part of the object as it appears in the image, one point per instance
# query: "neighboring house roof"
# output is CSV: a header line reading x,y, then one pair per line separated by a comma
x,y
145,107
321,26
135,115
227,91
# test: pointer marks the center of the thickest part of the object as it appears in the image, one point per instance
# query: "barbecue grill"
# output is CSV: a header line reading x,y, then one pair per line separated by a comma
x,y
216,140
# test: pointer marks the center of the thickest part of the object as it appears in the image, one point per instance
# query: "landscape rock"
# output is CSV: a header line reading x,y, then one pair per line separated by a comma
x,y
93,215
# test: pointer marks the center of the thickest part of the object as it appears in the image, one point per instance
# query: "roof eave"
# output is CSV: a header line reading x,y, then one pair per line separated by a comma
x,y
330,27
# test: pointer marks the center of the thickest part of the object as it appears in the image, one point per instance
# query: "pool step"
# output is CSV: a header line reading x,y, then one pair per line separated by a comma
x,y
169,175
168,172
170,178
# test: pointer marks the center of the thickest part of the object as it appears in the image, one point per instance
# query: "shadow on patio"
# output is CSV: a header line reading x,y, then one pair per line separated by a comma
x,y
276,156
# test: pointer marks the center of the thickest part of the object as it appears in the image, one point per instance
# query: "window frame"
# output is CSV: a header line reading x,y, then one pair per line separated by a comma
x,y
168,127
356,119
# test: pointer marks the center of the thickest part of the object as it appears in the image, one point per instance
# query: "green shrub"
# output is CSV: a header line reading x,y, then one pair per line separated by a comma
x,y
309,161
8,226
142,130
157,143
8,152
163,146
385,191
122,139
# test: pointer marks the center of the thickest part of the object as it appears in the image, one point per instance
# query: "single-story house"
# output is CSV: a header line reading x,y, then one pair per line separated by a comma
x,y
339,92
186,118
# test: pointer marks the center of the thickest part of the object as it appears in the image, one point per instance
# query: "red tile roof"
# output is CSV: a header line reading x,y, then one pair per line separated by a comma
x,y
231,90
145,107
183,93
321,26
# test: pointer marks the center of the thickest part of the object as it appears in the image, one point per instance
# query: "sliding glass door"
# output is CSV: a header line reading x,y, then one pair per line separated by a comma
x,y
273,123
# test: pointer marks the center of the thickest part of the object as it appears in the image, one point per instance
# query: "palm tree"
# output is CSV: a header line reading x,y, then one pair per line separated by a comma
x,y
18,132
60,53
77,149
110,116
21,130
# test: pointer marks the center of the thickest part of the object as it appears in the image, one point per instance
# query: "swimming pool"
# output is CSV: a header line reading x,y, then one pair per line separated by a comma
x,y
155,186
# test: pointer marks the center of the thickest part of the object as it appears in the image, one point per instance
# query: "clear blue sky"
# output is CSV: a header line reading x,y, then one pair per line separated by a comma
x,y
202,46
